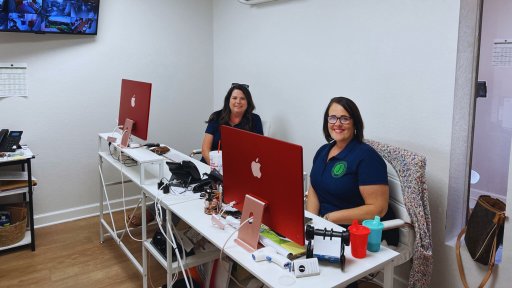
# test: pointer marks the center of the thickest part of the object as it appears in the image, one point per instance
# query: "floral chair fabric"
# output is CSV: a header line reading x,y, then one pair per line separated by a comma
x,y
411,169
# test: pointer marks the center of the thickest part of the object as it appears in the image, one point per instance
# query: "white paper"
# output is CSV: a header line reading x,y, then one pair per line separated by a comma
x,y
327,247
13,80
502,52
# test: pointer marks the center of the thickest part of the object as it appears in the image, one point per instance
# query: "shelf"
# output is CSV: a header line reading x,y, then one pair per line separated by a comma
x,y
132,172
13,191
25,241
12,182
194,260
10,187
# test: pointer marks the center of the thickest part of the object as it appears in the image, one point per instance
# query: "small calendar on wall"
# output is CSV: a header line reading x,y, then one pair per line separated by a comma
x,y
502,52
13,80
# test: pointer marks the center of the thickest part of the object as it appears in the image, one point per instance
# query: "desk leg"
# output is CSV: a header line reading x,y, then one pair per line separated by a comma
x,y
100,204
144,237
388,275
169,247
31,205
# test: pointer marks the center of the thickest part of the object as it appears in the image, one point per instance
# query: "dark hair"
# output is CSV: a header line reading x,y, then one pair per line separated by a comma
x,y
353,112
224,114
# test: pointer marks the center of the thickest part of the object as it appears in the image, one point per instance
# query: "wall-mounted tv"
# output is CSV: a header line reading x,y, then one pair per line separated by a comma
x,y
50,16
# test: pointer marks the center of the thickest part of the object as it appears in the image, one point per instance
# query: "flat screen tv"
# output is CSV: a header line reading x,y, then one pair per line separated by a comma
x,y
50,16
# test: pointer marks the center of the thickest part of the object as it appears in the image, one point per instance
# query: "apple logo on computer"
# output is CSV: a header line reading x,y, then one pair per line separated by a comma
x,y
255,168
133,101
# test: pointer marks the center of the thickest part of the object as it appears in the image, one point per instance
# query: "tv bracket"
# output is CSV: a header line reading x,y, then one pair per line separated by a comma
x,y
345,241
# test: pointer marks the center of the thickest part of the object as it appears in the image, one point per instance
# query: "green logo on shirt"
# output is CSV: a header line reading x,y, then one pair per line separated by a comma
x,y
339,169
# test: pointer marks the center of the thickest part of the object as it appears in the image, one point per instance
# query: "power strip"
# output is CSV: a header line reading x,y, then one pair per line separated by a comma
x,y
221,223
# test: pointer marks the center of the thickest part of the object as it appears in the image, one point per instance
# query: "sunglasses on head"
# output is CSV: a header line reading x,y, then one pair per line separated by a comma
x,y
240,84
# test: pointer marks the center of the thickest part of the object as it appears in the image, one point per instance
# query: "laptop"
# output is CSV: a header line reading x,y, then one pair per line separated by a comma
x,y
269,170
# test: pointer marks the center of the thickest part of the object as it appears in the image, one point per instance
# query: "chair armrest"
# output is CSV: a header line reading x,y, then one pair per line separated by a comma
x,y
395,223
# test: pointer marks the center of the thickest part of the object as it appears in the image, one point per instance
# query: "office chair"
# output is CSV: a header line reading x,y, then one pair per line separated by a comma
x,y
409,200
266,132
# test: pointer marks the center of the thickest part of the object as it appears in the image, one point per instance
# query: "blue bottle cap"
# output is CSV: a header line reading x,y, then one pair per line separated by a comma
x,y
374,224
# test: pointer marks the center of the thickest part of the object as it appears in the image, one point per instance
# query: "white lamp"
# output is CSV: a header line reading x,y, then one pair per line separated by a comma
x,y
474,177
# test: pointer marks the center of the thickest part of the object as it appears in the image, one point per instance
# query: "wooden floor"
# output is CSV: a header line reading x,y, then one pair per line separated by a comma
x,y
71,255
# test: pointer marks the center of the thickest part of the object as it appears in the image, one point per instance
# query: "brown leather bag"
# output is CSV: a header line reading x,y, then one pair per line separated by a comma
x,y
483,235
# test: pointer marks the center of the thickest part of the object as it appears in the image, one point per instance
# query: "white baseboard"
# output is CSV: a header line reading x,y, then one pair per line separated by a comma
x,y
66,215
475,193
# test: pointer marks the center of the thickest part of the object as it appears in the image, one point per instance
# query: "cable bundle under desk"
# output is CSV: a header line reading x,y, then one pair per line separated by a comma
x,y
121,157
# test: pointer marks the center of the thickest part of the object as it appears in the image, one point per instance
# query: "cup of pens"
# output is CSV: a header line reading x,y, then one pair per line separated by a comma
x,y
216,160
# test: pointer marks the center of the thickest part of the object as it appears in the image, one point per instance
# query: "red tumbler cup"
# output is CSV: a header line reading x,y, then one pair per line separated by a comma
x,y
358,239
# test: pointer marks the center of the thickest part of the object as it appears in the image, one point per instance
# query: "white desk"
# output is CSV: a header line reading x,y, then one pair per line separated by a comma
x,y
191,211
269,273
145,174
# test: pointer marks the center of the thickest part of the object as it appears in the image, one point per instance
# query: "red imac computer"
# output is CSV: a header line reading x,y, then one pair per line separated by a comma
x,y
134,109
271,171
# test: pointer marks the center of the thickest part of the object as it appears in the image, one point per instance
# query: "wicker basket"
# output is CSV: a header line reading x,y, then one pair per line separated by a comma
x,y
15,232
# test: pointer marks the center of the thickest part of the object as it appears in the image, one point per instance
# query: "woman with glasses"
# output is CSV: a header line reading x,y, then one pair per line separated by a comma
x,y
236,112
349,178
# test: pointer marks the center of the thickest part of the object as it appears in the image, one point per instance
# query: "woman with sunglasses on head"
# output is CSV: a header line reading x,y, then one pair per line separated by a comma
x,y
236,112
349,178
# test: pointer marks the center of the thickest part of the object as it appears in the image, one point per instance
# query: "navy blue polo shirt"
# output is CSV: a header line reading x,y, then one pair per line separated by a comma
x,y
213,128
336,182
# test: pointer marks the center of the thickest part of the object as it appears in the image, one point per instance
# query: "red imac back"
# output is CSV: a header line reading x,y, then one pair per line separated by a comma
x,y
135,103
270,170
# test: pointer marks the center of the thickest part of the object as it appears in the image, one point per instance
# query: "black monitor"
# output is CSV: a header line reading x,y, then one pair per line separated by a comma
x,y
50,16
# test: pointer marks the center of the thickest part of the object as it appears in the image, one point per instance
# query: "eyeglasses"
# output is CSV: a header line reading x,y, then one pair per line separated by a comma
x,y
343,119
240,84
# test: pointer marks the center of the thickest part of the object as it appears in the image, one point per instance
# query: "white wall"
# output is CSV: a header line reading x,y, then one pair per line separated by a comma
x,y
75,81
396,59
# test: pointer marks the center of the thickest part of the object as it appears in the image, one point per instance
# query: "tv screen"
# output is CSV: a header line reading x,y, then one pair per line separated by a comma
x,y
50,16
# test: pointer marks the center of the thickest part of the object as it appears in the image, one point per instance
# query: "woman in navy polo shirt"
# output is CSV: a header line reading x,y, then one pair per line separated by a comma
x,y
236,112
349,178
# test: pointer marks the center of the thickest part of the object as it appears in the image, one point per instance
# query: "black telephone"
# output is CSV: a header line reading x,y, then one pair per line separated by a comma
x,y
9,141
184,172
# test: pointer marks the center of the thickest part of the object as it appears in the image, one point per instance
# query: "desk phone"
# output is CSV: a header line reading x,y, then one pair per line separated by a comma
x,y
9,141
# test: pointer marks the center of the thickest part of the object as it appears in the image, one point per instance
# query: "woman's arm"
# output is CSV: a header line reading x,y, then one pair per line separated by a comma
x,y
206,147
312,203
376,198
257,124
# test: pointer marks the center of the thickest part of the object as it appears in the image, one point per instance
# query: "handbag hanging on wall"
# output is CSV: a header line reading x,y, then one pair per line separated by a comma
x,y
483,235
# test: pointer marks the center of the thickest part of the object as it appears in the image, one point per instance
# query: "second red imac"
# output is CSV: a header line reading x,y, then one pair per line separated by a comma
x,y
134,109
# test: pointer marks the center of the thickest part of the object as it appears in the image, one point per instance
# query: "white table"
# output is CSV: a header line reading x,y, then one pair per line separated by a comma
x,y
191,211
147,171
189,208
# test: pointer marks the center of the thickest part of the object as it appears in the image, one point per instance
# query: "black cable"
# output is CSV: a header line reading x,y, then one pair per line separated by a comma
x,y
369,278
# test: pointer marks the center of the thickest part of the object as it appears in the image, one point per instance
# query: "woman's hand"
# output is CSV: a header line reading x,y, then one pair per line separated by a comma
x,y
312,203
